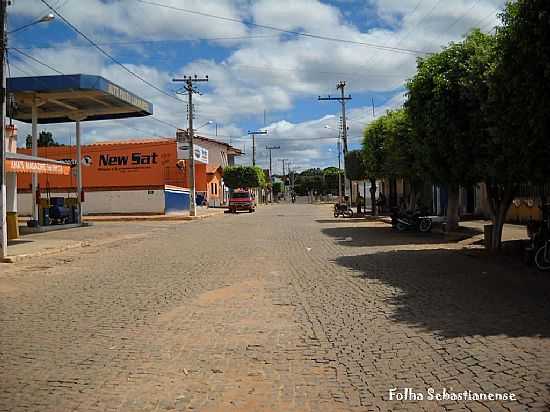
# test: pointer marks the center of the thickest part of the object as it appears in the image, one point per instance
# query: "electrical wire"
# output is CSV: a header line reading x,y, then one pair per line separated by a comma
x,y
475,3
133,42
35,60
277,29
106,54
120,122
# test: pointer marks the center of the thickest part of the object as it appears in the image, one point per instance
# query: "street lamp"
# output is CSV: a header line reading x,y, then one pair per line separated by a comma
x,y
339,166
3,48
206,124
43,19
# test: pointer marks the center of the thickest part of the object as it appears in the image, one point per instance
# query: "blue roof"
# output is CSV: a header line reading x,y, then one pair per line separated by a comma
x,y
62,96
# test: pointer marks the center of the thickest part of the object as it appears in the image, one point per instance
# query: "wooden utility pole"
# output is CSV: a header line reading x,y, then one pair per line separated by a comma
x,y
3,205
270,148
342,99
254,133
188,80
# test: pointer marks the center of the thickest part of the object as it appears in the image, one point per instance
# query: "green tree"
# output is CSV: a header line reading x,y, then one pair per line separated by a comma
x,y
244,177
374,153
389,151
356,169
45,139
518,150
277,188
402,156
445,102
331,170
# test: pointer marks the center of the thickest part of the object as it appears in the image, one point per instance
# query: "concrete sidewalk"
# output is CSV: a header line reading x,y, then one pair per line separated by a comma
x,y
101,230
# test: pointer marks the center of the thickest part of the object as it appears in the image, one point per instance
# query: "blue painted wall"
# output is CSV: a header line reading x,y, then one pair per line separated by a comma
x,y
176,200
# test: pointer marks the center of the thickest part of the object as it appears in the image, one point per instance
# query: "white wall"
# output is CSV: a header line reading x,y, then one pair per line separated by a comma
x,y
122,201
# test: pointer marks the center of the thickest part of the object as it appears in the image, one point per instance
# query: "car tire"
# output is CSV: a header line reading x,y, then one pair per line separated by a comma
x,y
425,225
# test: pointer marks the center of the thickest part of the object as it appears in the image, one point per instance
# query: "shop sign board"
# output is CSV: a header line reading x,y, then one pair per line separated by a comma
x,y
201,154
31,166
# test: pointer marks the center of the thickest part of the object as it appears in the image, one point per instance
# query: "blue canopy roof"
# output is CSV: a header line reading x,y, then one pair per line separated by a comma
x,y
63,98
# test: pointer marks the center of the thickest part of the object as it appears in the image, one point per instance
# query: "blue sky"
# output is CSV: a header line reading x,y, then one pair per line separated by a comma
x,y
252,69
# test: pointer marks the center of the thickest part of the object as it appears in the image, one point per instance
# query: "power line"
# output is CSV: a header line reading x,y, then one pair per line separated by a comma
x,y
164,122
463,15
102,51
35,60
131,42
277,29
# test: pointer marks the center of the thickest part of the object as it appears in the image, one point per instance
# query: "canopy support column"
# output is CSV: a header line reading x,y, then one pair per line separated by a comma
x,y
79,172
34,153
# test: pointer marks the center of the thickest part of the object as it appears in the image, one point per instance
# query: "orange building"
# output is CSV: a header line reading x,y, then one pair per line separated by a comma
x,y
125,176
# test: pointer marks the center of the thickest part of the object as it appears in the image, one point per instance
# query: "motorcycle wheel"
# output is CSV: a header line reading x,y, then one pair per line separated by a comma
x,y
401,227
348,213
542,261
425,225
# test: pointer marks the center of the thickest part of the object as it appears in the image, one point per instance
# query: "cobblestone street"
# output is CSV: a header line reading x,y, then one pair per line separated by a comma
x,y
286,309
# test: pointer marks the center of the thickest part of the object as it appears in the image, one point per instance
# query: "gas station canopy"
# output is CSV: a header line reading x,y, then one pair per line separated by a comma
x,y
64,98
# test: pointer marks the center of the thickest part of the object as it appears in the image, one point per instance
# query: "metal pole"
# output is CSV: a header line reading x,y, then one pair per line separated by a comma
x,y
188,80
79,189
253,150
254,133
4,234
34,146
339,172
192,198
284,181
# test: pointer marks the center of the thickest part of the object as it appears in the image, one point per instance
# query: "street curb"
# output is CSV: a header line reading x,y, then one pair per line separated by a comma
x,y
75,245
152,218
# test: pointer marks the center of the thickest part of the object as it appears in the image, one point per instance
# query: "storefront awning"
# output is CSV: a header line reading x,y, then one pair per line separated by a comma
x,y
22,163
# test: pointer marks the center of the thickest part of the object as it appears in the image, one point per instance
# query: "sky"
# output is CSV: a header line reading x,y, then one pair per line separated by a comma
x,y
264,73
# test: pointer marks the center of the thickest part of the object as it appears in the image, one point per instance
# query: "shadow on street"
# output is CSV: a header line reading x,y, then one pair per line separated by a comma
x,y
455,294
385,235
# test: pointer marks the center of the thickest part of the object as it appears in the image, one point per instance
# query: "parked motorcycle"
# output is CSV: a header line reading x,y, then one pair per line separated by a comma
x,y
342,209
538,250
411,220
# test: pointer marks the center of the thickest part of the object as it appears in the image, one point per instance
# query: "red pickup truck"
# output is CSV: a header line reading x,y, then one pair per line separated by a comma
x,y
242,200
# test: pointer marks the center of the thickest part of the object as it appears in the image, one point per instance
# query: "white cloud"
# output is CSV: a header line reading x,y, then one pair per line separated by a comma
x,y
267,73
133,19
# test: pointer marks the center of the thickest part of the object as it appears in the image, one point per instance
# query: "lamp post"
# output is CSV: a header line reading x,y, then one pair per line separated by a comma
x,y
43,19
206,124
3,47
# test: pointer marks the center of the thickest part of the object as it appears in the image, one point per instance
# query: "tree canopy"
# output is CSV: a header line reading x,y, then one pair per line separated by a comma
x,y
244,177
45,139
355,165
520,95
445,101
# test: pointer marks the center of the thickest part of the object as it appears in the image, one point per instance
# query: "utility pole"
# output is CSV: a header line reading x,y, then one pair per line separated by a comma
x,y
284,178
339,168
254,133
3,205
342,99
188,80
270,148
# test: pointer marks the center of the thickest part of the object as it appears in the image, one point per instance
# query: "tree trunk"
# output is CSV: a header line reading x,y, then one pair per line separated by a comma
x,y
358,199
373,197
452,208
500,199
412,198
